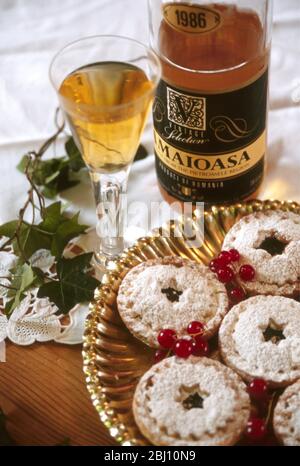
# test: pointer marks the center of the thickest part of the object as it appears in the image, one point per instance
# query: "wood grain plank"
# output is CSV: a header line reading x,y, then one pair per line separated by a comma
x,y
42,391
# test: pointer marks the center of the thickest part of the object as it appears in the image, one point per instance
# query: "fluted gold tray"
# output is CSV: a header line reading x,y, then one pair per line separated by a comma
x,y
113,359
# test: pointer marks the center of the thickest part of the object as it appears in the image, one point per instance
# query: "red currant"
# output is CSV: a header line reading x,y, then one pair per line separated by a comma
x,y
224,258
225,275
237,295
215,265
234,255
167,338
247,273
183,348
200,347
256,429
258,389
160,355
195,328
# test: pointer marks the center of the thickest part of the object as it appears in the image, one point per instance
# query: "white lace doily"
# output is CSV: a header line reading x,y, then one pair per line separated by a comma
x,y
36,319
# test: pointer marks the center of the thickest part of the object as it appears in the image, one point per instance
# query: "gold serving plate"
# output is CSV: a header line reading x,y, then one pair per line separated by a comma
x,y
114,360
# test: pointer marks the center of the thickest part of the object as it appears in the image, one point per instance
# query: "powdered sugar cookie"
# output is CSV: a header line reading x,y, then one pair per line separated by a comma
x,y
260,338
169,293
270,242
286,419
191,402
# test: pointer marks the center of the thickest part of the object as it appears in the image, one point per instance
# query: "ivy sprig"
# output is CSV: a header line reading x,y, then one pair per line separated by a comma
x,y
51,229
74,283
56,174
5,438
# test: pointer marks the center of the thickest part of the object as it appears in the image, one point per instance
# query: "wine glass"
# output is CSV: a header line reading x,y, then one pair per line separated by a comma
x,y
105,86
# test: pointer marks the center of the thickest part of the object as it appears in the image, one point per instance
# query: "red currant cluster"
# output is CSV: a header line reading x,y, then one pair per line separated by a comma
x,y
259,394
195,345
222,267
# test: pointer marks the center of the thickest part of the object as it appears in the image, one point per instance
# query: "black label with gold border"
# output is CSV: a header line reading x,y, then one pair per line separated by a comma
x,y
210,147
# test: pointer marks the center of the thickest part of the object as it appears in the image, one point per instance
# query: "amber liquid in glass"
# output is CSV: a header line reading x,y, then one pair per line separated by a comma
x,y
107,106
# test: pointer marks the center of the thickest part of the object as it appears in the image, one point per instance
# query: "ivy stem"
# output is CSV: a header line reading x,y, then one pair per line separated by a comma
x,y
8,287
33,157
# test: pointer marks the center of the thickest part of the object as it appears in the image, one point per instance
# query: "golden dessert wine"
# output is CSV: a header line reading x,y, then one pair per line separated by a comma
x,y
105,85
106,108
210,111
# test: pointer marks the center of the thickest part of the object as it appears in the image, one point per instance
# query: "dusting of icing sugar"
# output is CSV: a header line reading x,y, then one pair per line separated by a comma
x,y
287,416
159,395
249,233
296,418
245,348
146,310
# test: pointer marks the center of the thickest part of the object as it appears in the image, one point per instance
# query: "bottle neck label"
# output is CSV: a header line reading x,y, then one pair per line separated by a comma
x,y
192,19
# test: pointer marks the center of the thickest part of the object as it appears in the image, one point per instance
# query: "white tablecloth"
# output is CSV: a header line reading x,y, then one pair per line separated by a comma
x,y
31,31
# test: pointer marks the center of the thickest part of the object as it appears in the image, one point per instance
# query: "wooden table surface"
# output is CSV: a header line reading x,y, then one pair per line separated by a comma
x,y
43,394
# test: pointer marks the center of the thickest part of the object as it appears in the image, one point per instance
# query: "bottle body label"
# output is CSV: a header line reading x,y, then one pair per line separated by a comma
x,y
210,147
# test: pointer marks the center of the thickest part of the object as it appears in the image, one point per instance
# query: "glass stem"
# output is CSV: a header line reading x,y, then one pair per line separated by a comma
x,y
110,190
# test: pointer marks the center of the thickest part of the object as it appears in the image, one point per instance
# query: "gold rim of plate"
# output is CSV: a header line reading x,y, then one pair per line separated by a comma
x,y
113,360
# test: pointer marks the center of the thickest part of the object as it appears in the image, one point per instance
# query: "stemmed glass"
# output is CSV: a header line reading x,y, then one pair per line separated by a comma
x,y
105,86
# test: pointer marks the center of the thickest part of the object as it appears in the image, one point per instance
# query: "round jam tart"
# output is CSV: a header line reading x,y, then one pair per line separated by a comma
x,y
260,338
195,402
270,243
169,293
287,417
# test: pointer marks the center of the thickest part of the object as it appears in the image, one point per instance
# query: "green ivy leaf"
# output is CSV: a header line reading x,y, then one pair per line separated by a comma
x,y
64,179
31,239
53,217
52,177
61,228
64,234
53,233
23,278
57,174
23,163
141,153
5,438
7,441
9,229
76,162
47,172
74,285
49,193
27,276
41,169
65,443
